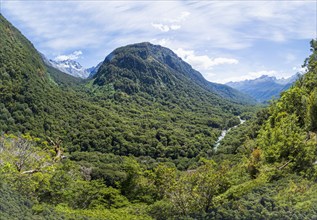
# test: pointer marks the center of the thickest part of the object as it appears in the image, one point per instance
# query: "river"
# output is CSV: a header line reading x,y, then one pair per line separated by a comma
x,y
224,132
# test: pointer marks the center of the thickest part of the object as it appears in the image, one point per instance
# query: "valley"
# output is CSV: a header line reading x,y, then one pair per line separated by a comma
x,y
224,132
146,136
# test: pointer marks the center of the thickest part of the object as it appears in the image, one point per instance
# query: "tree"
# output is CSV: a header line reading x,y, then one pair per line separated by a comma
x,y
283,142
23,154
24,165
312,111
211,180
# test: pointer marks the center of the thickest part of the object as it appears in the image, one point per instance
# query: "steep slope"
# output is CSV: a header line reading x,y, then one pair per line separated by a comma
x,y
23,81
265,87
281,146
30,98
63,79
154,69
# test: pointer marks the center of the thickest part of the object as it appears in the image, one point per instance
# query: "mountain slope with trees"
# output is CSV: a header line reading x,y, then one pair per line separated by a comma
x,y
91,150
156,70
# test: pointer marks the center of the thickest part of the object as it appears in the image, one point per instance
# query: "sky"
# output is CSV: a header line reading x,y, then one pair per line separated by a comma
x,y
225,40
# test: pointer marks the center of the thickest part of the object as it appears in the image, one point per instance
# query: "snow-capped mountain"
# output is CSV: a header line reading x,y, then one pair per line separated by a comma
x,y
265,87
71,67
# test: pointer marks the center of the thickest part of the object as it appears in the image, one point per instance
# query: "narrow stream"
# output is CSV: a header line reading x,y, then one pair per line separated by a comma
x,y
224,132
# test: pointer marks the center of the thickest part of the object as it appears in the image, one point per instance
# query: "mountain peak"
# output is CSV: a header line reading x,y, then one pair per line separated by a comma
x,y
265,87
153,69
71,67
142,50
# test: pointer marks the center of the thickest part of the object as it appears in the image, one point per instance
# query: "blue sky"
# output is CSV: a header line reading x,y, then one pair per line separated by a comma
x,y
224,40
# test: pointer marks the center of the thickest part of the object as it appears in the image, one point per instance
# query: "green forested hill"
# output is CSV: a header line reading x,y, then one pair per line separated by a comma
x,y
127,145
167,116
158,71
281,144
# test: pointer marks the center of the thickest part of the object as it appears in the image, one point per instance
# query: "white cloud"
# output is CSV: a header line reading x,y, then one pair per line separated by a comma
x,y
175,27
300,69
161,27
162,42
257,74
166,28
73,56
278,36
216,30
181,18
203,62
174,24
209,23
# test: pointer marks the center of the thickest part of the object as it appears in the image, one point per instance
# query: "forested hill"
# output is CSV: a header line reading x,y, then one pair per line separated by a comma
x,y
25,86
281,146
157,70
130,107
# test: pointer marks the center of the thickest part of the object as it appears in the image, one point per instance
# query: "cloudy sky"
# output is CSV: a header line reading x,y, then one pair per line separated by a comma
x,y
225,40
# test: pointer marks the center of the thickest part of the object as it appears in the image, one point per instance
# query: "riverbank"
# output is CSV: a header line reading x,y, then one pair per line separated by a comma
x,y
224,132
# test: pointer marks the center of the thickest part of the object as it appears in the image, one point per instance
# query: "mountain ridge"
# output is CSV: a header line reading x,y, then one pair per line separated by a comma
x,y
71,67
265,87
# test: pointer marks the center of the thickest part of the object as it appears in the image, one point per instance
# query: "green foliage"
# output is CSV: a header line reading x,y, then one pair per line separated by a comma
x,y
283,141
312,111
279,142
269,201
287,138
134,213
58,188
189,192
13,205
21,157
137,136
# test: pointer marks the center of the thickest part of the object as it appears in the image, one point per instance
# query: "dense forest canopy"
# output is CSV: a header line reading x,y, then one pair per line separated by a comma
x,y
137,142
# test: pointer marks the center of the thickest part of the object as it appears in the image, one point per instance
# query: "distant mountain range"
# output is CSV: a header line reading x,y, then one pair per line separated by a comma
x,y
265,87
